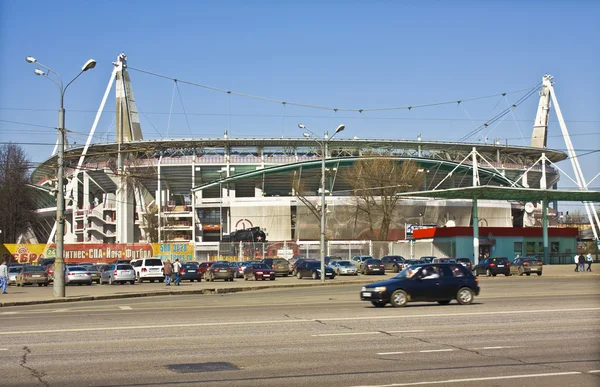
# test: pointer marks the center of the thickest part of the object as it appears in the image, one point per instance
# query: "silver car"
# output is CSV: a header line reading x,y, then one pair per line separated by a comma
x,y
77,275
117,273
343,268
12,274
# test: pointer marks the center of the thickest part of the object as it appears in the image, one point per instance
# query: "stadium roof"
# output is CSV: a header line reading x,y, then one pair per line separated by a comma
x,y
508,193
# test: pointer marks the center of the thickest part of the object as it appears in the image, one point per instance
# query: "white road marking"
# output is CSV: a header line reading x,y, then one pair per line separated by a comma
x,y
593,371
474,379
60,310
125,307
3,349
475,349
266,322
346,334
436,350
10,313
392,353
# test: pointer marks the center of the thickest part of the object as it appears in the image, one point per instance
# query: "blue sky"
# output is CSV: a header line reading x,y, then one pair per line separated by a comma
x,y
339,54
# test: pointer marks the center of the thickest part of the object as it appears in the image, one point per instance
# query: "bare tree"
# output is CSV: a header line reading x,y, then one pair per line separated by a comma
x,y
16,202
375,183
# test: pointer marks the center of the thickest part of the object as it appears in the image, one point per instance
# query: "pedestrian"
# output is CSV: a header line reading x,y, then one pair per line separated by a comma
x,y
168,270
576,259
581,263
588,259
177,270
3,276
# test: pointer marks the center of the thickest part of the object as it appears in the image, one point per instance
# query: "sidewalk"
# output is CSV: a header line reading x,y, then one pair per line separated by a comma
x,y
30,295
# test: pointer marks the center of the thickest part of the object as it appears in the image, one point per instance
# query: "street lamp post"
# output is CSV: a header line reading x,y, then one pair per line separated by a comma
x,y
59,278
323,143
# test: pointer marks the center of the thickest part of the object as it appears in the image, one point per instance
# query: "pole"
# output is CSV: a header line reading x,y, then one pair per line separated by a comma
x,y
545,231
475,233
59,274
324,149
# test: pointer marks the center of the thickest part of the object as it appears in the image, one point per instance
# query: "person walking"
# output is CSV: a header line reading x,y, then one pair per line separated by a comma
x,y
581,263
576,259
168,270
3,276
588,259
177,270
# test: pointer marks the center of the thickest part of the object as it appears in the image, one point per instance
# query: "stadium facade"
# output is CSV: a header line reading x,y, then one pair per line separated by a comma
x,y
199,190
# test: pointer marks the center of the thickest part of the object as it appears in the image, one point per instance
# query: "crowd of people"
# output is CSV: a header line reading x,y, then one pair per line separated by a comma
x,y
580,261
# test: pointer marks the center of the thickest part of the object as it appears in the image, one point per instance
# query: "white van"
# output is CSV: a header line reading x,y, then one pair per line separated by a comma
x,y
148,269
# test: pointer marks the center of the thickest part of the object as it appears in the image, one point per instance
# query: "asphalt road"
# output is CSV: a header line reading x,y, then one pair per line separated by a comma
x,y
518,333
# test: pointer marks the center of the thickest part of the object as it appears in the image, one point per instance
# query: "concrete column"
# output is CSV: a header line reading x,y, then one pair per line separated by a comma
x,y
545,231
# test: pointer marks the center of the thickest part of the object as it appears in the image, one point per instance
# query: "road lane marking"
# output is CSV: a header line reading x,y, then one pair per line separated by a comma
x,y
593,371
125,307
476,349
10,313
60,310
392,353
346,334
474,379
3,349
295,321
413,331
436,350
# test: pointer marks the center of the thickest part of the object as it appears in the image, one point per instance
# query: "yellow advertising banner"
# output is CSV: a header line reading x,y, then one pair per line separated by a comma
x,y
97,253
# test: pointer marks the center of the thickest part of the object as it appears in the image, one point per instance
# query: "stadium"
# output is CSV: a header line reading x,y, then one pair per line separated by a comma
x,y
199,191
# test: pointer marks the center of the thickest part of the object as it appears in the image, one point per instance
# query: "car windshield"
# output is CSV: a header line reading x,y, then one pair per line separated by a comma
x,y
373,261
220,266
124,267
260,266
189,265
345,263
312,264
33,268
76,268
14,269
153,262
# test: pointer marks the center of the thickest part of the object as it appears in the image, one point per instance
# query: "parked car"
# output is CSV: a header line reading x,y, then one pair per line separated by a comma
x,y
203,267
443,260
372,266
94,271
343,268
426,282
219,271
77,275
189,272
393,263
411,262
298,262
313,269
426,259
12,274
117,273
280,265
492,266
241,266
148,269
32,274
466,262
256,271
359,259
526,265
45,262
331,258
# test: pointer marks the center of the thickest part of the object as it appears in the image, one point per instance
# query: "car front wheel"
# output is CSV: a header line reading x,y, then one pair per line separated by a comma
x,y
464,296
378,304
298,275
399,298
315,275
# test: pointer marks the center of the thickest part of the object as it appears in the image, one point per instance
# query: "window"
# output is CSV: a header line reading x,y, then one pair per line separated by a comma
x,y
518,248
530,248
554,247
457,271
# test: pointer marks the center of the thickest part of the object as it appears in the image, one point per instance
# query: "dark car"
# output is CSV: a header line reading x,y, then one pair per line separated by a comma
x,y
280,265
331,258
466,262
411,262
372,266
219,271
359,259
189,272
204,266
313,269
241,266
424,283
393,263
526,265
29,275
298,262
427,259
256,271
493,266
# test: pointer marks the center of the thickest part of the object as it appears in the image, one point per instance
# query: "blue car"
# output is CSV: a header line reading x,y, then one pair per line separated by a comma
x,y
440,283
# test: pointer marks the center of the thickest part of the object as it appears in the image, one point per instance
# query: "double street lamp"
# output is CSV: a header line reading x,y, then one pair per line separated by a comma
x,y
323,143
59,277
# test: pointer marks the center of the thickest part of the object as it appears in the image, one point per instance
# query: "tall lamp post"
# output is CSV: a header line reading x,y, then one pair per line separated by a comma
x,y
323,143
59,278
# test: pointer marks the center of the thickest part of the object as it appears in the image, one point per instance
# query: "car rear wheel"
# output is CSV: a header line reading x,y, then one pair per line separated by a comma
x,y
527,274
298,275
272,279
464,296
40,284
110,281
488,272
396,269
378,304
399,298
315,275
521,272
444,302
132,282
46,284
89,283
139,279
